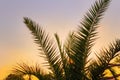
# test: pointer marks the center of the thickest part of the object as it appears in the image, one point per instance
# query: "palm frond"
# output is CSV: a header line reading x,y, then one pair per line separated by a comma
x,y
60,47
68,57
104,59
47,47
14,77
64,57
85,36
24,69
106,55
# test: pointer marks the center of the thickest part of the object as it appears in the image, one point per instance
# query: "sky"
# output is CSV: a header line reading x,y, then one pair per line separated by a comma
x,y
61,16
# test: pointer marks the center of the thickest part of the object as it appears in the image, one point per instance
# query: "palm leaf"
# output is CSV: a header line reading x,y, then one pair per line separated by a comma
x,y
69,55
64,57
24,69
47,47
104,58
14,77
85,36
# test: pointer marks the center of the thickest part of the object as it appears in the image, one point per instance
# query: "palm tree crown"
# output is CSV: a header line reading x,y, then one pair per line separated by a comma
x,y
69,61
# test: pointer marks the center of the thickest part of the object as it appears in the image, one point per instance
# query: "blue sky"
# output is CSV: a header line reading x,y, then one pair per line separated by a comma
x,y
61,16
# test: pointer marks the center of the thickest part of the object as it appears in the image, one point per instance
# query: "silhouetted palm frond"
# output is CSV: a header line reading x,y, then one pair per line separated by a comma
x,y
14,77
85,36
47,47
104,59
36,70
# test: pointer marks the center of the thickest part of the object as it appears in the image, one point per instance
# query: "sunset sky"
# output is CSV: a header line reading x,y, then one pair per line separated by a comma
x,y
61,16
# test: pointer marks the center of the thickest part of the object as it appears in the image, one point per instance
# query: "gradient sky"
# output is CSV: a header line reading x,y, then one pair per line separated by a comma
x,y
61,16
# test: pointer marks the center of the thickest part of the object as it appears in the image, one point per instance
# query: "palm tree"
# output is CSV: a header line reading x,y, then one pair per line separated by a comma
x,y
69,61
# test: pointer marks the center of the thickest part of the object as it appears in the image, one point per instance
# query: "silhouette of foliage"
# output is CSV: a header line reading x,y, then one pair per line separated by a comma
x,y
69,61
14,77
